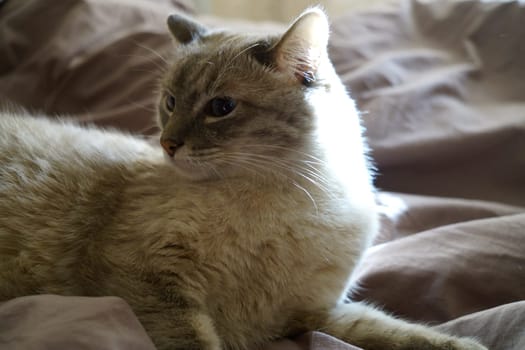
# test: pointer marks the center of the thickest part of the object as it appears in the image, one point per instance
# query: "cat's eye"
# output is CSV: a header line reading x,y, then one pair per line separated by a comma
x,y
170,102
220,106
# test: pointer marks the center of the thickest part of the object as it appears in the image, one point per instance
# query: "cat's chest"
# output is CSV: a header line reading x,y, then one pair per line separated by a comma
x,y
281,246
251,257
283,261
258,234
298,233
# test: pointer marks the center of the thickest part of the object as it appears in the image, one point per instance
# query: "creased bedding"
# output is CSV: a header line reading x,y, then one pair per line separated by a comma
x,y
441,85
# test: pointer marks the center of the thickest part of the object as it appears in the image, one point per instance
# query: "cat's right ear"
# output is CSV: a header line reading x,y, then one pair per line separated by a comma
x,y
184,29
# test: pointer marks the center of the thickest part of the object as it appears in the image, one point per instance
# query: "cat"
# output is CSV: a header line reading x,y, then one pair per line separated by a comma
x,y
243,226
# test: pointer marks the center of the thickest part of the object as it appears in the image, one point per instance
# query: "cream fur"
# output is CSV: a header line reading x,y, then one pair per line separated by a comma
x,y
226,262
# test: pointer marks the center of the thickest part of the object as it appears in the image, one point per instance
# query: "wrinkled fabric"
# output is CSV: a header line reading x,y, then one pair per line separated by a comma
x,y
98,61
440,85
50,322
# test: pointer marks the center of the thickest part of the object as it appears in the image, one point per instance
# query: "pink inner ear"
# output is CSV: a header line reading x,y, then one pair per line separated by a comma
x,y
298,60
301,48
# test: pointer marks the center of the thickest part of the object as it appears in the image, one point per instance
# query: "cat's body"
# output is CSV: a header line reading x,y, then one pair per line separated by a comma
x,y
122,221
241,241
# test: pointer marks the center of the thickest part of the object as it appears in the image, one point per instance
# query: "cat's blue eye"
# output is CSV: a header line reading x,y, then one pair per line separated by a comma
x,y
221,106
170,103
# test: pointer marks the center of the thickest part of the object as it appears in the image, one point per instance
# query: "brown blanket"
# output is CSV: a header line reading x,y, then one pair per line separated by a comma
x,y
441,86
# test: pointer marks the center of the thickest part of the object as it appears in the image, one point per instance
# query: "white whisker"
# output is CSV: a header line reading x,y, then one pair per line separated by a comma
x,y
156,53
290,165
283,168
308,194
161,69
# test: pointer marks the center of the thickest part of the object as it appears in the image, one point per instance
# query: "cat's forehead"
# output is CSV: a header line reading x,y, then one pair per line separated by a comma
x,y
215,55
224,43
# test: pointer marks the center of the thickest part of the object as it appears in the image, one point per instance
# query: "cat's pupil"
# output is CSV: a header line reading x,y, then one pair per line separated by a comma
x,y
170,103
221,106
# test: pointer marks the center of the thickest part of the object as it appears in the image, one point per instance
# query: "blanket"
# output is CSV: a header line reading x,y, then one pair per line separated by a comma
x,y
440,85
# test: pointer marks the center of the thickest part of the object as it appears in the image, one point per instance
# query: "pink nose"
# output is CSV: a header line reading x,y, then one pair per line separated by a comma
x,y
170,146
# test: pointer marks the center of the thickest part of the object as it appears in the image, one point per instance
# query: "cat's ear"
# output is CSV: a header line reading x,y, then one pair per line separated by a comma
x,y
301,49
184,29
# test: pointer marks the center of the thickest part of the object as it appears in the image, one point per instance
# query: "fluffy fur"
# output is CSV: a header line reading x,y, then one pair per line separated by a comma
x,y
248,232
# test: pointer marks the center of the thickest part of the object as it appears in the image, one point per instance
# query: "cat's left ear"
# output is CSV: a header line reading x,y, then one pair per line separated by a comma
x,y
302,48
184,29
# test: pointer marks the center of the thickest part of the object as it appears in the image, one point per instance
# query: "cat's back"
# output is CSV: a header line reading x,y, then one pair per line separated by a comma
x,y
59,184
42,158
39,155
51,167
27,137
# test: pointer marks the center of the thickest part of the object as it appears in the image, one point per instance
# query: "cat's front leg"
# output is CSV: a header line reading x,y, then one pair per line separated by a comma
x,y
371,329
183,330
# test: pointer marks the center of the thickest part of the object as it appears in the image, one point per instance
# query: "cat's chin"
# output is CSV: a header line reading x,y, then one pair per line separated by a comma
x,y
191,171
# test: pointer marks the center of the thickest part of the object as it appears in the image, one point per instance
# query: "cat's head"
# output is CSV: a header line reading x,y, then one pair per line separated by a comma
x,y
233,104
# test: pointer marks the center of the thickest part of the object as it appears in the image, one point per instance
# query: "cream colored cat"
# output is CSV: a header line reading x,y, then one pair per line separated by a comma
x,y
244,229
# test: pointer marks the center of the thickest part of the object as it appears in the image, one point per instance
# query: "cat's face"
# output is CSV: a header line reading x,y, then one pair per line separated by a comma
x,y
235,104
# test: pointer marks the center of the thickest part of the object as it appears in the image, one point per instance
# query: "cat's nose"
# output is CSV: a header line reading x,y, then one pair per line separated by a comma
x,y
170,145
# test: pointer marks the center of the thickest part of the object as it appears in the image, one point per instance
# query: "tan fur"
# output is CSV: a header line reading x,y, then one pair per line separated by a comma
x,y
249,233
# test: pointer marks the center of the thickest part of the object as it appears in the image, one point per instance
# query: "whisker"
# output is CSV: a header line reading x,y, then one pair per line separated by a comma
x,y
276,164
156,53
215,170
255,146
309,163
157,74
150,107
286,164
260,164
308,194
162,69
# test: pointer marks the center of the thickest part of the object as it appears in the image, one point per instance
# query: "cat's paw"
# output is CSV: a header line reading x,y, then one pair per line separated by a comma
x,y
466,344
447,343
